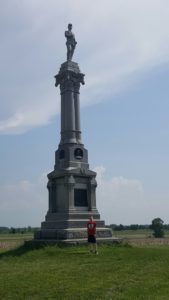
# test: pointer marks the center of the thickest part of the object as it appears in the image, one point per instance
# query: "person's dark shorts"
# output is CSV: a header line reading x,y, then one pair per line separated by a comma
x,y
91,239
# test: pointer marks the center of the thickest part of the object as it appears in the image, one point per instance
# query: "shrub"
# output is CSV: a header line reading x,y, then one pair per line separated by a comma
x,y
157,226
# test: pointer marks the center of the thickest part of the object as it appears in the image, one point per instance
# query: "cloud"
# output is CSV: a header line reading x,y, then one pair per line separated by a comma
x,y
117,42
24,203
30,116
119,200
124,200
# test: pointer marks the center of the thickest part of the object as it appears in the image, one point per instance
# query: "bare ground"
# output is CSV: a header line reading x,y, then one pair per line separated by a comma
x,y
147,241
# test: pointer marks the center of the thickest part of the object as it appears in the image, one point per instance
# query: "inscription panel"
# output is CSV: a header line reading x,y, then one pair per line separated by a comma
x,y
80,197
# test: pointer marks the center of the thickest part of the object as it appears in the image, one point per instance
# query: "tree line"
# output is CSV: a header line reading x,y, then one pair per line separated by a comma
x,y
28,229
157,225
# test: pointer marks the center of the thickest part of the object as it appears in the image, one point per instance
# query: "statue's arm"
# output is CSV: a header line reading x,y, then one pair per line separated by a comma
x,y
74,39
68,34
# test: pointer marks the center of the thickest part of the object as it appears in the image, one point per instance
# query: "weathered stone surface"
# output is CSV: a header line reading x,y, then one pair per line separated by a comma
x,y
68,224
70,233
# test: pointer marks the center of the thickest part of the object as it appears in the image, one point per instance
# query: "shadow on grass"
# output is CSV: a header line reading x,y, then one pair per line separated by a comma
x,y
30,246
21,250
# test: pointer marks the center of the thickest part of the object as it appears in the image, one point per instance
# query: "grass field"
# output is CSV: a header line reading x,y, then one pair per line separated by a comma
x,y
118,272
142,237
8,241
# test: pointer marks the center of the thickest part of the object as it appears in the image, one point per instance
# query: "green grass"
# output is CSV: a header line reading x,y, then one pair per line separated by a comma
x,y
8,241
140,233
118,272
17,236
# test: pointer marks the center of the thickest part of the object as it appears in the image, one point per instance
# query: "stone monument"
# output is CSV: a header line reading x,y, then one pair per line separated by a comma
x,y
71,185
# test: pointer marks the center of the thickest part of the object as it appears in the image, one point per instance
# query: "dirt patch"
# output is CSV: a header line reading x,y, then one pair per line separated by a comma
x,y
9,244
147,241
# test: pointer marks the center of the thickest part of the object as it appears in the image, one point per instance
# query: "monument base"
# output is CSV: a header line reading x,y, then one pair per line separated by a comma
x,y
71,204
70,234
72,242
70,226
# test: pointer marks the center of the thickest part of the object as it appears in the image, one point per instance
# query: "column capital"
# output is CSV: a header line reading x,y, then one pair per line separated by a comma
x,y
69,71
77,87
69,76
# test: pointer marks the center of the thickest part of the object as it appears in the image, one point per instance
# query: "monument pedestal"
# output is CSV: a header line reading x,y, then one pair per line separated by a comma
x,y
72,185
72,200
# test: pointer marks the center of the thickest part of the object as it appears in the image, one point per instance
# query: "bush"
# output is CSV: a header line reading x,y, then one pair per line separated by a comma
x,y
157,226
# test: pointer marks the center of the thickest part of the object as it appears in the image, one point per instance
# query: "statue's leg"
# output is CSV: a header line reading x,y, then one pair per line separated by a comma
x,y
72,50
69,54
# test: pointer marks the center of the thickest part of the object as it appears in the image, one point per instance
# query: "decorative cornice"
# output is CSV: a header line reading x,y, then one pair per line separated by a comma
x,y
69,76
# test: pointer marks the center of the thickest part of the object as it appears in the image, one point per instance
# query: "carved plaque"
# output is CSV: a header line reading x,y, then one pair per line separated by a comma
x,y
80,197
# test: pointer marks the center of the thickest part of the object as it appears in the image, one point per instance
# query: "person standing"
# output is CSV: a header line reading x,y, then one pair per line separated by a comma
x,y
91,231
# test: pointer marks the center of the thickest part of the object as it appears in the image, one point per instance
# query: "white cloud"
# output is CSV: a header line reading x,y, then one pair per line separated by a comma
x,y
24,203
123,200
117,41
119,200
30,116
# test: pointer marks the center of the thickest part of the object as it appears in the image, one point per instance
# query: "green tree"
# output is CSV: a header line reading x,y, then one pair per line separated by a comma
x,y
12,230
134,226
157,226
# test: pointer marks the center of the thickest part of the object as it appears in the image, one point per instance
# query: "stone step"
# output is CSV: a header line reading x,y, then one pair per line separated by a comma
x,y
64,224
70,233
99,240
75,242
72,216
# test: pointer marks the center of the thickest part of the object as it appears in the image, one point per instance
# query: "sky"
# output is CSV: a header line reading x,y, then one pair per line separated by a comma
x,y
123,50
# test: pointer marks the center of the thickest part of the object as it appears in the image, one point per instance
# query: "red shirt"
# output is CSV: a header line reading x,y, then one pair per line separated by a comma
x,y
91,227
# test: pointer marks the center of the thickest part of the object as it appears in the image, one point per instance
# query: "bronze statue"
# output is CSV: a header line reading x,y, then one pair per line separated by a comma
x,y
71,42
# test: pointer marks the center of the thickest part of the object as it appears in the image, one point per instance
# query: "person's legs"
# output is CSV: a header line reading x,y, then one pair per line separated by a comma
x,y
95,246
92,244
90,247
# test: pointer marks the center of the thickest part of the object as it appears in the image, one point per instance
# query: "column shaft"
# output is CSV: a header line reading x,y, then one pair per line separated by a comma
x,y
92,189
69,111
52,196
62,116
69,114
77,117
70,183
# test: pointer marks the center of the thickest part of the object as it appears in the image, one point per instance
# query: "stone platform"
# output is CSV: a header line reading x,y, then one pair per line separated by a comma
x,y
72,242
70,234
69,226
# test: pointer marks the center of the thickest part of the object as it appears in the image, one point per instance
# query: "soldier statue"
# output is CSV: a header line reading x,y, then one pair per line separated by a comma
x,y
71,42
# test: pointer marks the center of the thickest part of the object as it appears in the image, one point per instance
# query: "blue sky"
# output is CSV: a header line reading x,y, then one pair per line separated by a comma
x,y
123,49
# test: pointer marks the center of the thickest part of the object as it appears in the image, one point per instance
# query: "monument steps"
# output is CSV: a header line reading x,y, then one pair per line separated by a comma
x,y
70,233
61,224
74,242
73,216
